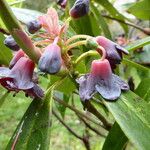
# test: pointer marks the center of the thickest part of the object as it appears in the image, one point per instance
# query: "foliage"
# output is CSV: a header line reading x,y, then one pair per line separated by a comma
x,y
97,123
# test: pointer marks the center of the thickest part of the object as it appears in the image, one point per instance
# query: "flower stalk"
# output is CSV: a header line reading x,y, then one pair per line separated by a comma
x,y
17,32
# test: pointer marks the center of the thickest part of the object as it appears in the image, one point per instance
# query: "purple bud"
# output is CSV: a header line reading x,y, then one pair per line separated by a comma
x,y
50,61
62,3
79,9
33,26
11,43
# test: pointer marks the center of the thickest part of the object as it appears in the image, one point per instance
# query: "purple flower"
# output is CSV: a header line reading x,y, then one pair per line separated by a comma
x,y
113,50
101,80
79,9
19,78
51,61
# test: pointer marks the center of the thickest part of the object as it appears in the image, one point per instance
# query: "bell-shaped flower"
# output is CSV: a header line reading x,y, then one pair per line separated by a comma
x,y
113,50
19,78
51,61
101,80
50,22
79,9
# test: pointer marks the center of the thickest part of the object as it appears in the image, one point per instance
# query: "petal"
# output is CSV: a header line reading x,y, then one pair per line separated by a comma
x,y
86,88
4,71
50,22
123,85
108,89
36,91
119,48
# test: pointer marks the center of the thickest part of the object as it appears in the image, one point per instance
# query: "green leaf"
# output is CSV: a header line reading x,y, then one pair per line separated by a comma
x,y
113,12
3,98
142,57
101,21
64,97
116,139
26,15
138,44
133,116
141,9
143,90
33,132
5,53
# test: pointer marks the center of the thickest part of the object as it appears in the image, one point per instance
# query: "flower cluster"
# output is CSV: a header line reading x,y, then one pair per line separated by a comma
x,y
54,46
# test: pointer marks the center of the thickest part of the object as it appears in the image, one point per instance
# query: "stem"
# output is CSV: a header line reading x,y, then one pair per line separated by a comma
x,y
16,31
102,51
84,55
80,36
94,111
129,23
79,43
77,111
4,31
67,127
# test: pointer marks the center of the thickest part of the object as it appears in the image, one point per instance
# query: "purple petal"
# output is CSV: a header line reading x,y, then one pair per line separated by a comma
x,y
108,89
123,85
119,48
4,71
86,88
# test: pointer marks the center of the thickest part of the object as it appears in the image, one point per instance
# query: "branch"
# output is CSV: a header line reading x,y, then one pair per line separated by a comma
x,y
67,127
146,31
78,111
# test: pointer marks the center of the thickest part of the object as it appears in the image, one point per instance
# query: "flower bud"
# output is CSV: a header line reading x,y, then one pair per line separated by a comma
x,y
79,9
50,61
62,3
33,26
11,43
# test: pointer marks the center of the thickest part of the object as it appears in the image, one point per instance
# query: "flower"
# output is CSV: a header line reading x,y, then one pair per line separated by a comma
x,y
19,78
79,9
101,80
113,50
50,22
17,56
51,61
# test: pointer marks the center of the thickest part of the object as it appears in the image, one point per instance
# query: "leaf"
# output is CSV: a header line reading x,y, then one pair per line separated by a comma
x,y
5,53
138,44
142,57
3,98
133,116
25,15
141,9
64,97
136,65
116,139
101,21
143,90
113,12
33,132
